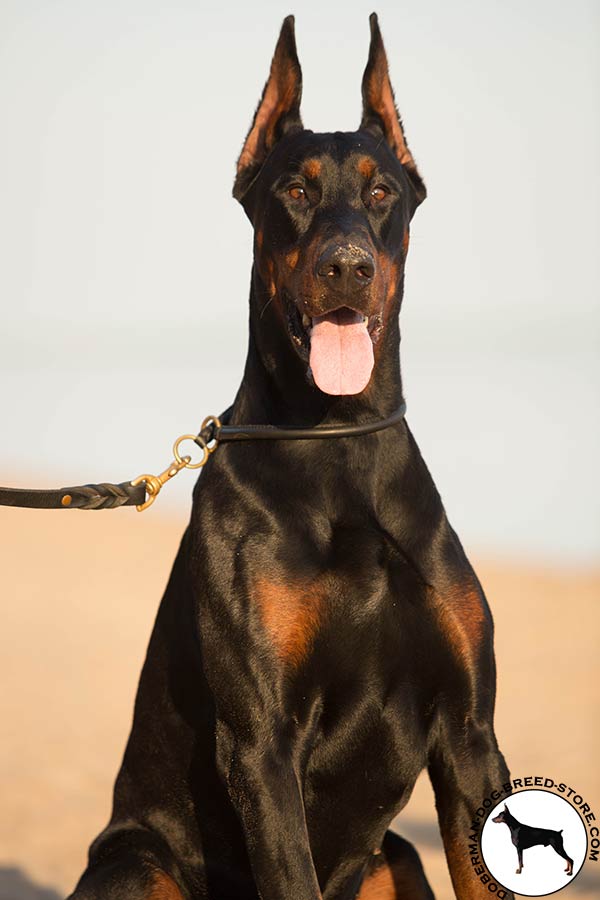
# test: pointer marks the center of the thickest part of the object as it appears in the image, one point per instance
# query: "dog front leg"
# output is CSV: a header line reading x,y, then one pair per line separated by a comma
x,y
265,791
465,767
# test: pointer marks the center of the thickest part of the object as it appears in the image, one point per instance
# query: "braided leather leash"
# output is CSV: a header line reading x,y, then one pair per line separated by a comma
x,y
143,490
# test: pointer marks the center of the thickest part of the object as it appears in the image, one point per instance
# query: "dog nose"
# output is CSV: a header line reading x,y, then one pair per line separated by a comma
x,y
346,268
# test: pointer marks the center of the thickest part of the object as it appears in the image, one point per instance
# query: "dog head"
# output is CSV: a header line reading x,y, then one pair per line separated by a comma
x,y
331,215
502,815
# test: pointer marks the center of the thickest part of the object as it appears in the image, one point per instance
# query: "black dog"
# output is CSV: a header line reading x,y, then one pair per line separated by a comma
x,y
322,637
524,836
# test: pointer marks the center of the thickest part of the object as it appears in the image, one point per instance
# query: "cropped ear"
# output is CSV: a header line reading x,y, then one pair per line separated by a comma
x,y
278,112
379,109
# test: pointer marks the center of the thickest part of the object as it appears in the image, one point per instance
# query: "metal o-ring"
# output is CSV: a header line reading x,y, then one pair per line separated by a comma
x,y
216,422
198,441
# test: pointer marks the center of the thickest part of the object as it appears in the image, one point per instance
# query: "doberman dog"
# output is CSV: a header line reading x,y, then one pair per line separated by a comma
x,y
525,836
323,637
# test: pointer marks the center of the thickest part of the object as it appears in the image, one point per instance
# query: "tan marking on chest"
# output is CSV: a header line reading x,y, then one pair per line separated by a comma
x,y
391,880
291,614
379,886
462,618
163,888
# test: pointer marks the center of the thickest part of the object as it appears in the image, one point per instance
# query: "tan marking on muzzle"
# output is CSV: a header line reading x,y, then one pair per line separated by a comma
x,y
386,281
292,258
270,275
392,280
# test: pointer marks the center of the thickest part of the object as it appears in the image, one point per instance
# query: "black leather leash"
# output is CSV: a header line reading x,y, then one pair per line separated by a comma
x,y
214,431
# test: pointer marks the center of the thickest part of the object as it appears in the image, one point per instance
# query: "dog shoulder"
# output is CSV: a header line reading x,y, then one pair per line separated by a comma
x,y
463,615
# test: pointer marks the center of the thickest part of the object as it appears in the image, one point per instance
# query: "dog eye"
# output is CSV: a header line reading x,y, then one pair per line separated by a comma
x,y
297,192
378,193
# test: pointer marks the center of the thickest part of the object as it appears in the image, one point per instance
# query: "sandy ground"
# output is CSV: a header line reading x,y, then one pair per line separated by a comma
x,y
78,596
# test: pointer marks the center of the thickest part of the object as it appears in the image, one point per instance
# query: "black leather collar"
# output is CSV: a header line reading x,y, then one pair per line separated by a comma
x,y
127,493
218,431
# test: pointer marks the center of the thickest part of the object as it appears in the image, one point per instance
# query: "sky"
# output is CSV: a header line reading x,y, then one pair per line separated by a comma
x,y
124,261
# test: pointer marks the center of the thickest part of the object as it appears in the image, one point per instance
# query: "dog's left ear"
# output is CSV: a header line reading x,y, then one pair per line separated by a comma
x,y
278,112
379,108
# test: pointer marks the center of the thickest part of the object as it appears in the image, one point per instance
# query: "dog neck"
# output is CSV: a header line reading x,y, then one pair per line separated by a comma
x,y
510,820
276,388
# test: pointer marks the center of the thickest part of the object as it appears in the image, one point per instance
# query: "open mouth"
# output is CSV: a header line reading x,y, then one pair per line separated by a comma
x,y
338,347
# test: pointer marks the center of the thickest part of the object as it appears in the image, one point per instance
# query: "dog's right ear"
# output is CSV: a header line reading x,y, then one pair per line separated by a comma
x,y
278,112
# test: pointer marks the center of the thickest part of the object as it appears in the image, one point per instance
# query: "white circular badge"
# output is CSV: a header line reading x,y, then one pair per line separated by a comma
x,y
534,843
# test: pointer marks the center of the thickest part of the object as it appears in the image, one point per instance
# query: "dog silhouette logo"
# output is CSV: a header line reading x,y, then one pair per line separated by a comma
x,y
524,836
534,843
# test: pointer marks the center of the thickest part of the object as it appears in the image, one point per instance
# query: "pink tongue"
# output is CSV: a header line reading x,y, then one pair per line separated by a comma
x,y
341,352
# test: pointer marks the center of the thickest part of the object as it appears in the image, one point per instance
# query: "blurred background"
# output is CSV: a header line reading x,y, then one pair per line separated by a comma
x,y
124,278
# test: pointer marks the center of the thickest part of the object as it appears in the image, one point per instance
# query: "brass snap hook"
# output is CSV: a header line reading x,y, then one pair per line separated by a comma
x,y
154,483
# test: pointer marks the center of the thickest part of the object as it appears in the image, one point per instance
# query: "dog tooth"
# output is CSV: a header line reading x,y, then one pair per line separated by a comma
x,y
306,321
